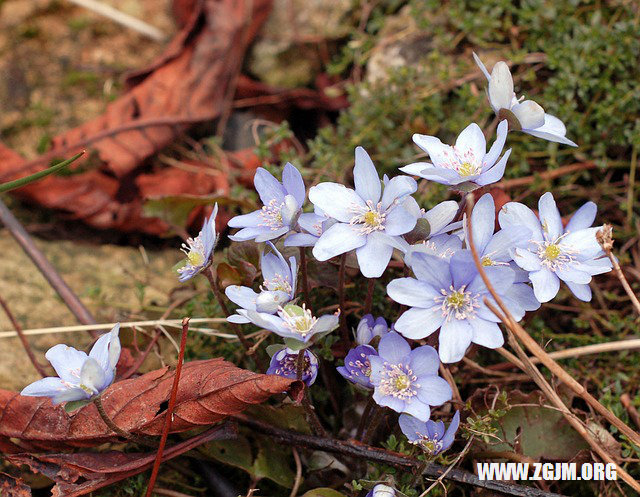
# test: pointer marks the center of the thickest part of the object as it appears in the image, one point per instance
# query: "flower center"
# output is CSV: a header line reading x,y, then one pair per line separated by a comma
x,y
194,250
486,261
369,218
298,319
271,215
398,381
467,169
458,304
277,283
361,366
430,445
552,252
554,256
288,366
195,258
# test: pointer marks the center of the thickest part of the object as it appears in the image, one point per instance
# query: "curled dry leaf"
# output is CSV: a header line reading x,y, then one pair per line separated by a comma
x,y
208,392
13,487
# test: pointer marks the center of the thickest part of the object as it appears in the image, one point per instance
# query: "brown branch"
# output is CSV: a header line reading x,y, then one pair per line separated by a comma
x,y
545,175
344,332
305,276
514,329
358,450
25,241
172,402
368,301
625,400
23,339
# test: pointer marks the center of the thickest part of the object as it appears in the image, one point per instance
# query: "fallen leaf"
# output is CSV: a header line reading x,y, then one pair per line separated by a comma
x,y
13,487
208,392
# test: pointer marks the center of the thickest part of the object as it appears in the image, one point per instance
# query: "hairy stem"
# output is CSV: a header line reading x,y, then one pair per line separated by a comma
x,y
344,332
305,277
368,301
374,423
309,410
116,429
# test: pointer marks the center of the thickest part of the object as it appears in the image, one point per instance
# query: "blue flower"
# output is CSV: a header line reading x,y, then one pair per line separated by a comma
x,y
81,376
277,289
555,253
449,295
293,322
381,491
284,363
367,218
200,248
282,204
369,328
407,380
357,367
527,115
430,436
467,165
311,225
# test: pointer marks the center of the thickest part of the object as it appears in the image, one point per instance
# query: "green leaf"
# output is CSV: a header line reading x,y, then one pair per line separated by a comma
x,y
175,209
323,492
19,183
74,405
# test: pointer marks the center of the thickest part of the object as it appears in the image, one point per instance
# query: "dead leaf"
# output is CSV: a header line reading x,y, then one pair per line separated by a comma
x,y
208,392
13,487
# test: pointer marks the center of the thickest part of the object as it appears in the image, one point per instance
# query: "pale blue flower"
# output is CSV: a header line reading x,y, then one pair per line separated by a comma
x,y
553,252
527,115
407,380
465,166
285,363
357,367
311,226
282,203
80,376
369,328
367,218
449,296
200,248
381,491
277,289
293,322
430,436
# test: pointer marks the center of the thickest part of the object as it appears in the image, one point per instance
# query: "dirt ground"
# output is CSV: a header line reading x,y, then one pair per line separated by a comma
x,y
60,65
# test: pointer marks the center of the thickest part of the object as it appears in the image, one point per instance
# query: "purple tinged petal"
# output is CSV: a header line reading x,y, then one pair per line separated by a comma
x,y
365,177
550,217
526,260
483,220
517,214
412,427
463,268
585,242
583,218
338,239
270,234
496,149
388,401
449,436
441,216
268,187
67,362
495,173
471,139
431,269
481,66
253,219
455,338
416,168
300,240
438,151
399,221
424,361
545,284
416,408
502,244
434,390
251,233
419,323
573,274
293,183
486,333
243,296
397,189
46,387
374,255
582,292
552,130
412,292
337,201
92,376
393,348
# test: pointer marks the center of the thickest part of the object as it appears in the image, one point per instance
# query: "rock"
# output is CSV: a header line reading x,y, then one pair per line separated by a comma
x,y
286,54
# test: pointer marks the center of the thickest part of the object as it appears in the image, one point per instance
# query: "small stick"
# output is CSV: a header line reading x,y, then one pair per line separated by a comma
x,y
310,412
115,428
446,374
631,410
451,466
305,277
632,180
545,175
121,18
605,239
298,480
344,332
25,241
376,419
365,416
368,302
172,402
23,339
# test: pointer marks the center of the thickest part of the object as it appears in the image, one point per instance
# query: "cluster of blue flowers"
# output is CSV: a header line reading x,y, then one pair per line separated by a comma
x,y
524,259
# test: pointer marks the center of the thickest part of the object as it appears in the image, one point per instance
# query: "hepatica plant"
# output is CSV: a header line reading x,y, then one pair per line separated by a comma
x,y
433,273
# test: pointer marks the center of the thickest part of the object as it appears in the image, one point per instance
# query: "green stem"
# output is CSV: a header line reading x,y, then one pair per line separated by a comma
x,y
12,185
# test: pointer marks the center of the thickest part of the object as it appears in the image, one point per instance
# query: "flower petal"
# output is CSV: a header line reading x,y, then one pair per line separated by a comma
x,y
496,149
412,292
500,246
434,390
431,269
553,130
416,408
374,255
455,338
526,260
515,213
46,387
417,323
412,427
365,177
268,187
337,201
397,189
338,239
440,216
293,183
471,140
438,152
495,173
424,361
399,221
483,221
92,376
500,87
582,292
545,284
67,362
481,66
486,333
583,218
550,217
529,114
393,348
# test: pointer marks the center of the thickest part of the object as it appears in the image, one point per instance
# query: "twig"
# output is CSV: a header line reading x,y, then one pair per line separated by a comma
x,y
298,480
25,241
545,175
121,18
368,302
605,238
446,374
172,402
344,332
514,329
305,276
451,466
23,339
365,416
362,451
375,420
632,180
625,400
